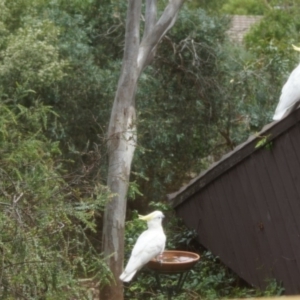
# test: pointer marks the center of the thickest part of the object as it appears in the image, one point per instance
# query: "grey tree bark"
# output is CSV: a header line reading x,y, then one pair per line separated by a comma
x,y
122,135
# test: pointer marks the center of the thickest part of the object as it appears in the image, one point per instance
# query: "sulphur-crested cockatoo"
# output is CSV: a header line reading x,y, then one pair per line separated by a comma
x,y
150,244
290,93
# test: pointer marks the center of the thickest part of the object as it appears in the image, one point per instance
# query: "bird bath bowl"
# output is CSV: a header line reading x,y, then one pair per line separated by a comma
x,y
173,261
169,263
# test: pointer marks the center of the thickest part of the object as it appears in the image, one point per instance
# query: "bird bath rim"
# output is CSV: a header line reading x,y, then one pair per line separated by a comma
x,y
173,261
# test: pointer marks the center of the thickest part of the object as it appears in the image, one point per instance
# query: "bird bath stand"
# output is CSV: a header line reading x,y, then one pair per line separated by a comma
x,y
173,262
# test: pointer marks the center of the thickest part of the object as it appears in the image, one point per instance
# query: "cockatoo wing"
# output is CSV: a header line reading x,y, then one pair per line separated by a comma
x,y
290,94
150,244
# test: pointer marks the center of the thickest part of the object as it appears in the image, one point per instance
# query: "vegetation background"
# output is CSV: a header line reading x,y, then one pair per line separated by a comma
x,y
202,96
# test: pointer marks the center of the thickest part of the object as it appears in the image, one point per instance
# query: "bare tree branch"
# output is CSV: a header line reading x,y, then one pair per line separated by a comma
x,y
128,73
132,34
150,16
151,40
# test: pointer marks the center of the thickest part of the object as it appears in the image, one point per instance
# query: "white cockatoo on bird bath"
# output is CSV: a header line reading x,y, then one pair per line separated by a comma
x,y
151,243
290,93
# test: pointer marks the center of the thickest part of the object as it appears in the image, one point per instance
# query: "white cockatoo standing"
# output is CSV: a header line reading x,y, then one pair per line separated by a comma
x,y
290,93
151,243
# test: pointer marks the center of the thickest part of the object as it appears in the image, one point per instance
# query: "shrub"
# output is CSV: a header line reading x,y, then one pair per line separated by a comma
x,y
44,218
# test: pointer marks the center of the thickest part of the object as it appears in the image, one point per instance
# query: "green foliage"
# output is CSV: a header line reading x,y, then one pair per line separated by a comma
x,y
244,7
273,57
173,99
257,7
44,219
201,98
68,55
31,59
264,141
213,6
277,30
271,41
210,279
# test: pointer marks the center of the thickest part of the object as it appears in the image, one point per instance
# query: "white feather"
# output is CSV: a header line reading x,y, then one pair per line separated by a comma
x,y
290,94
150,244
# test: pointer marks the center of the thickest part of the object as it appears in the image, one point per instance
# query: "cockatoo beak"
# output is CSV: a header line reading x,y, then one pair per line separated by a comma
x,y
148,217
296,48
152,216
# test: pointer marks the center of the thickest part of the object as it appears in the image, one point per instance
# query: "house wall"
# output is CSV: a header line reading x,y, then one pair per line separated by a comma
x,y
249,216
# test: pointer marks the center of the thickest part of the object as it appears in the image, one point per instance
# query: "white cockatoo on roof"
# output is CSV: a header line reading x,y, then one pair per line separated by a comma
x,y
290,93
150,244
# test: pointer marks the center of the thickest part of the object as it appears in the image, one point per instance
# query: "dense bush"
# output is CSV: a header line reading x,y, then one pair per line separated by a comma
x,y
44,217
201,97
244,7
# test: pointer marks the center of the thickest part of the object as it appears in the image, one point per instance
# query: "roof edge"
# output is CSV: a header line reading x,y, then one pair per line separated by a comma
x,y
229,160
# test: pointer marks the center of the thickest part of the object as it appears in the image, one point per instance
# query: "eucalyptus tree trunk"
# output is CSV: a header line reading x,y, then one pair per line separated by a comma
x,y
122,135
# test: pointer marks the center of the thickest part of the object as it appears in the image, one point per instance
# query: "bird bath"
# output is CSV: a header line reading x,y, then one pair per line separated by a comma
x,y
172,262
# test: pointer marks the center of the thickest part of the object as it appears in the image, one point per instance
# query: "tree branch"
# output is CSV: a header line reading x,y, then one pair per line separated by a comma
x,y
132,38
151,40
150,16
128,77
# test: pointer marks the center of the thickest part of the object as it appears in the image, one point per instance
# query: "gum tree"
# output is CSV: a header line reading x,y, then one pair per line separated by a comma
x,y
138,54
